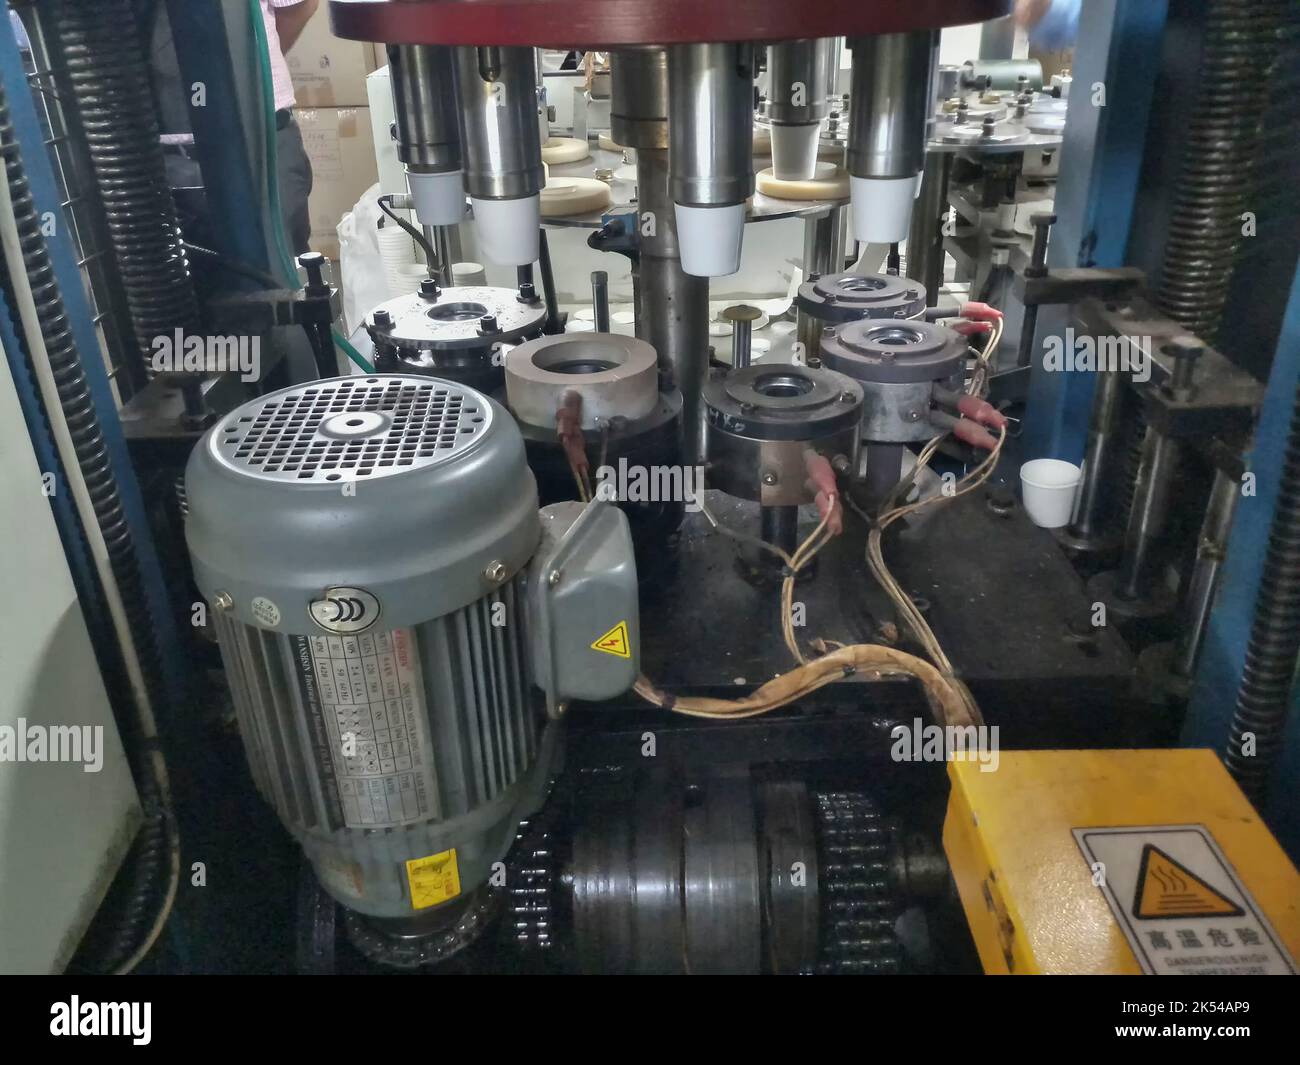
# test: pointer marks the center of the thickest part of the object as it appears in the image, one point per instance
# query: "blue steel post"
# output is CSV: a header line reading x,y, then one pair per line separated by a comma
x,y
1101,159
45,193
1223,655
203,53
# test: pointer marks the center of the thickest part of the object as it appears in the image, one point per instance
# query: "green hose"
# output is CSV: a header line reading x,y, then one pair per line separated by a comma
x,y
350,351
288,265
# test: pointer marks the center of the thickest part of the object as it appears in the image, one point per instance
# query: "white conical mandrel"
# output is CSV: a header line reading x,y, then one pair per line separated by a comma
x,y
439,199
882,208
508,230
794,151
710,238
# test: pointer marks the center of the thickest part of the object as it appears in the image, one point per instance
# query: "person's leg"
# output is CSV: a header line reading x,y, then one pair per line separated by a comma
x,y
294,172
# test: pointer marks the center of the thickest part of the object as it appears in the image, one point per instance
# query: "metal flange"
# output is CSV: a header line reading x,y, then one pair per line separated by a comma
x,y
893,352
456,333
848,297
620,23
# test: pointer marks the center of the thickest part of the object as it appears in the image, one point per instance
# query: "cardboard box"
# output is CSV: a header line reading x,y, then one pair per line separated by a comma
x,y
328,71
341,147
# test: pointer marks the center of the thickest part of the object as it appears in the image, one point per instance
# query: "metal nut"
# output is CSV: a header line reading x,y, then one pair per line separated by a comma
x,y
496,572
222,601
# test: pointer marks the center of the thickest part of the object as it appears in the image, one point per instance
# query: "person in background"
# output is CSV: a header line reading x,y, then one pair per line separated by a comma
x,y
1051,24
285,20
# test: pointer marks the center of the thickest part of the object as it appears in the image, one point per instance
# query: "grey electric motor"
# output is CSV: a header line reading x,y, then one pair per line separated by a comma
x,y
401,626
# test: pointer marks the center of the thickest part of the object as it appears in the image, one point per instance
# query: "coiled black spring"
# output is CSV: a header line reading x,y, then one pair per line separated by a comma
x,y
1259,718
148,862
1214,186
104,57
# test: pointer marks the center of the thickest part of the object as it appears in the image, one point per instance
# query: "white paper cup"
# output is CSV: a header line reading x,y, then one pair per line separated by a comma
x,y
1047,487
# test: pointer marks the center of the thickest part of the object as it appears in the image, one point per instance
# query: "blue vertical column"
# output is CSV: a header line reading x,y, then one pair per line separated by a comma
x,y
1223,655
1101,159
45,193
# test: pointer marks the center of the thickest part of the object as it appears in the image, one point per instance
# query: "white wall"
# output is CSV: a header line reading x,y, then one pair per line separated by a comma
x,y
62,830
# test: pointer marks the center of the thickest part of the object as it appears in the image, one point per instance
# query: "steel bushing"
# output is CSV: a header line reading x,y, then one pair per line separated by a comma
x,y
616,376
898,364
762,419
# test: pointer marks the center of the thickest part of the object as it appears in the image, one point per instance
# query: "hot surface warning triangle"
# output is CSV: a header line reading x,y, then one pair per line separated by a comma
x,y
615,642
1167,888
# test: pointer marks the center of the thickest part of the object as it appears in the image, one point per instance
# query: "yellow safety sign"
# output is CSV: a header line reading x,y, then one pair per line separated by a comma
x,y
1168,889
433,880
615,642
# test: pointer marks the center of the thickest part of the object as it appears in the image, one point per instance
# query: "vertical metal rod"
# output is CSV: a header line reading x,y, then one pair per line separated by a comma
x,y
548,285
1099,458
673,308
884,471
1150,508
925,254
1211,550
779,526
740,343
442,244
1037,267
823,243
434,264
600,299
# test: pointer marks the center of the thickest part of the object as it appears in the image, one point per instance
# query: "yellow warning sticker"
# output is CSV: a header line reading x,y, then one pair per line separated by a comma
x,y
615,642
1179,902
433,880
1167,888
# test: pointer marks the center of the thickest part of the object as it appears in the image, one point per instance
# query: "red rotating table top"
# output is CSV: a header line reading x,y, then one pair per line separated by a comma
x,y
618,23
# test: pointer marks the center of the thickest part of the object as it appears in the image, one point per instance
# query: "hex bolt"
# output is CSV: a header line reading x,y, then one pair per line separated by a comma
x,y
768,477
488,324
429,289
314,263
1001,499
496,571
1080,624
527,292
554,577
1186,350
1042,223
222,601
383,319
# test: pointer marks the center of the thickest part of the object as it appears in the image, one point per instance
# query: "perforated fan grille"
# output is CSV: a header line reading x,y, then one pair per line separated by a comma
x,y
307,434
